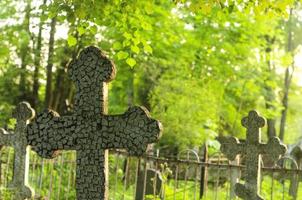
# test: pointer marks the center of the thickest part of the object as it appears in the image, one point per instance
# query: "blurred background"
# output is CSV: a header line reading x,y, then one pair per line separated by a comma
x,y
198,66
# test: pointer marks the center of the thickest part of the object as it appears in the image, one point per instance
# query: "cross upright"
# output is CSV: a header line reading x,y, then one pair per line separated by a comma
x,y
23,113
88,130
252,150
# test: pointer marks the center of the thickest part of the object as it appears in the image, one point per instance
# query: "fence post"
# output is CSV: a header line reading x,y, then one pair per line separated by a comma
x,y
234,176
203,172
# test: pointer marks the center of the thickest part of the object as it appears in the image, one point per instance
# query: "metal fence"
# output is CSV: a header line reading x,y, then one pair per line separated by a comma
x,y
187,176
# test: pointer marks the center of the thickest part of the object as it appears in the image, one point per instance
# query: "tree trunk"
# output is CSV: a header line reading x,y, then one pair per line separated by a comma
x,y
63,87
70,89
284,104
287,79
24,55
271,122
271,128
59,86
48,93
63,92
37,62
270,96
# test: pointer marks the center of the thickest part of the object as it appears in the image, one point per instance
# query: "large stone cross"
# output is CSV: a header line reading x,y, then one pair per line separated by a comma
x,y
17,140
88,130
252,150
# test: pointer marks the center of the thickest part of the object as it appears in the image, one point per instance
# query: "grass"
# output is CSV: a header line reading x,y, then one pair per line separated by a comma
x,y
55,179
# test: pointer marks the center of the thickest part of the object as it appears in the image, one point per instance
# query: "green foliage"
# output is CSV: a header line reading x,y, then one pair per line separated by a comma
x,y
280,189
72,41
198,66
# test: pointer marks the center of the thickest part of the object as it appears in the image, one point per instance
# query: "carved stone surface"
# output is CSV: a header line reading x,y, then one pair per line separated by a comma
x,y
17,140
88,130
252,149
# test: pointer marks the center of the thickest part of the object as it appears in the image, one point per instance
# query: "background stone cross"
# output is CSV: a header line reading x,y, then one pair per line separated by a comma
x,y
252,149
17,140
88,130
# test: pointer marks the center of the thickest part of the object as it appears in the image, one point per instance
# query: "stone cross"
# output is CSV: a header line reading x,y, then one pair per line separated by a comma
x,y
17,140
88,130
252,150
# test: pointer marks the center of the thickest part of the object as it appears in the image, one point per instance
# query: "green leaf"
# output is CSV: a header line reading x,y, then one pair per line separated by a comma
x,y
122,55
127,35
61,18
286,60
12,123
149,8
43,7
148,49
81,30
117,46
136,40
93,29
4,51
146,26
52,14
135,49
44,17
80,13
131,62
126,43
71,40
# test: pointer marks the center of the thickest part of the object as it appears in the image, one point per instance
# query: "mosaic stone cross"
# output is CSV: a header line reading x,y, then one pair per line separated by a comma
x,y
17,140
252,150
88,130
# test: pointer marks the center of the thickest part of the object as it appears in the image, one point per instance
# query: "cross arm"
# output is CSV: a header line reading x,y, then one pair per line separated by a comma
x,y
133,130
231,147
274,148
6,138
22,114
49,133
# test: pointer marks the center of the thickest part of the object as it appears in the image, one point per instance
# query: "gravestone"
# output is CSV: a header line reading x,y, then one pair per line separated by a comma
x,y
296,154
88,130
295,151
288,163
234,176
252,150
17,140
149,183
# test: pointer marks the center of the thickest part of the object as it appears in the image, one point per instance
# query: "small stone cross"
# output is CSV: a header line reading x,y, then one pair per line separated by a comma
x,y
88,130
17,140
252,149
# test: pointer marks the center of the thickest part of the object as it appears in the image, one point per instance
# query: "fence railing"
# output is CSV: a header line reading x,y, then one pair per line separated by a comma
x,y
186,176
